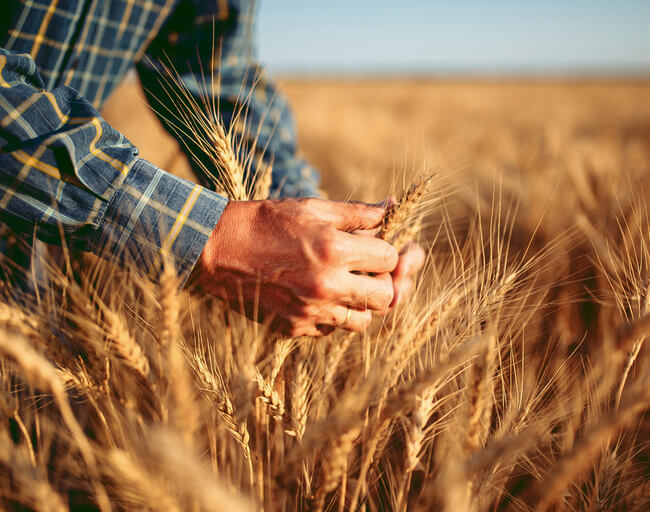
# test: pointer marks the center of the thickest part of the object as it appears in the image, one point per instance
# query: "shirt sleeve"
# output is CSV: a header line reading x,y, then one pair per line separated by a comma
x,y
67,176
209,49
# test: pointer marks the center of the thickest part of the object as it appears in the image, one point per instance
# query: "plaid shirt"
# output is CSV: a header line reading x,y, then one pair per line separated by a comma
x,y
64,170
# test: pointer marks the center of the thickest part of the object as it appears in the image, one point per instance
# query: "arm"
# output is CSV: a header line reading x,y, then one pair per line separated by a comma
x,y
64,172
295,262
248,101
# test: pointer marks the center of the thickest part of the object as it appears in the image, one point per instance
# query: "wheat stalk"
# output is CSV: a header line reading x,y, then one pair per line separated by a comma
x,y
224,406
636,347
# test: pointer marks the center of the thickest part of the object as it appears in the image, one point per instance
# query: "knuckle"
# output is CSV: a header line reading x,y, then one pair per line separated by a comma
x,y
310,313
358,208
309,202
325,245
320,287
366,209
295,331
287,206
334,319
363,321
391,257
298,315
327,317
300,326
288,201
309,205
388,293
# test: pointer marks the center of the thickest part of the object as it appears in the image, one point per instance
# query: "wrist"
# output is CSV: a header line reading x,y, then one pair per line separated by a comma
x,y
229,246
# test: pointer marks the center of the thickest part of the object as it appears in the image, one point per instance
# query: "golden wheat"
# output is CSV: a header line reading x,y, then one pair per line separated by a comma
x,y
513,378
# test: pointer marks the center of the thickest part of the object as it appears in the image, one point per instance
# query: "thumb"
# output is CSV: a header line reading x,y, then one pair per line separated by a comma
x,y
351,216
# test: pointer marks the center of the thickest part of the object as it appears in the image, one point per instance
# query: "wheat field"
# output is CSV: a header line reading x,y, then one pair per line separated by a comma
x,y
514,378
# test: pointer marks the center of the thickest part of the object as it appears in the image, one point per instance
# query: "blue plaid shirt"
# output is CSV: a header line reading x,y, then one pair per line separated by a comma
x,y
66,171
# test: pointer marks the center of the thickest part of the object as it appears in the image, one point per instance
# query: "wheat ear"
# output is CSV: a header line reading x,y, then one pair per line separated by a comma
x,y
210,384
25,473
480,400
223,157
179,382
334,357
149,489
124,345
263,181
334,466
43,374
636,348
566,469
299,399
269,395
398,213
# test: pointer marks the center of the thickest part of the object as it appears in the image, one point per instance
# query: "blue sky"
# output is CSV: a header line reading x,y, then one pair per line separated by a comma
x,y
456,35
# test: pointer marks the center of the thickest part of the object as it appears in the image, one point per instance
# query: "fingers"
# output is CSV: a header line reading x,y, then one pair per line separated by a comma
x,y
369,292
403,287
342,317
349,216
323,322
410,261
367,254
366,232
356,320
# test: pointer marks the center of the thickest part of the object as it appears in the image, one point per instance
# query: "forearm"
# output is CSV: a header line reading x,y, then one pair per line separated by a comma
x,y
68,176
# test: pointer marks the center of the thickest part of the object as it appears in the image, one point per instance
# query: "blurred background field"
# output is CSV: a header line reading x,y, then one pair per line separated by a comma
x,y
545,141
360,132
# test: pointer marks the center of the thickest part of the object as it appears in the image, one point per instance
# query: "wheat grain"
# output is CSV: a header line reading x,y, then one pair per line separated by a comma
x,y
398,213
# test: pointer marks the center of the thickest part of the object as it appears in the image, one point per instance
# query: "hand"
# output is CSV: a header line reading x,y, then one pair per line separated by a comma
x,y
297,263
410,262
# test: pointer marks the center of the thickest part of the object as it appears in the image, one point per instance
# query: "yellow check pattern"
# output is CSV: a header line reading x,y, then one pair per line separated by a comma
x,y
65,170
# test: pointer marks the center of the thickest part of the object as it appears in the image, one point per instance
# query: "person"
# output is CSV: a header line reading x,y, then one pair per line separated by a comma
x,y
68,177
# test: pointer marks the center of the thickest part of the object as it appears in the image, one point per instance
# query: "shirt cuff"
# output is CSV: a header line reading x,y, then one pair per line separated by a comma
x,y
156,217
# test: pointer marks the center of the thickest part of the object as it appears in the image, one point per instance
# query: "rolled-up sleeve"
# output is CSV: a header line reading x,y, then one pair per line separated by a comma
x,y
155,216
67,176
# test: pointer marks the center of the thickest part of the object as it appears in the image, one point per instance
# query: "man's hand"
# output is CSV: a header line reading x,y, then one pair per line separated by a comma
x,y
298,262
410,262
